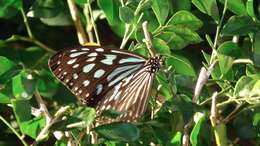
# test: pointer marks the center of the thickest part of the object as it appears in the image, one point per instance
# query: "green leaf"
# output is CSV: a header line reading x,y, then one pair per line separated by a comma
x,y
236,6
225,63
181,5
119,131
208,7
83,2
185,18
239,25
230,48
111,10
161,10
33,126
194,137
23,85
220,132
244,86
165,89
126,14
256,49
51,12
178,37
255,90
47,87
181,65
86,114
161,46
4,99
5,65
45,9
9,8
176,139
22,111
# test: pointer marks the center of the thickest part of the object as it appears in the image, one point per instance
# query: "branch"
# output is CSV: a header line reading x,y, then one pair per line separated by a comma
x,y
42,107
44,131
202,80
148,40
76,19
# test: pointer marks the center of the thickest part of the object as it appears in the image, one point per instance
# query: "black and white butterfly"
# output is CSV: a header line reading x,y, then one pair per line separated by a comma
x,y
106,78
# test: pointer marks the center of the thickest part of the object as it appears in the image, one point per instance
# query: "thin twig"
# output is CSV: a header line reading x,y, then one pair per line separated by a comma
x,y
213,113
75,17
35,41
94,24
43,107
13,130
44,132
148,40
25,20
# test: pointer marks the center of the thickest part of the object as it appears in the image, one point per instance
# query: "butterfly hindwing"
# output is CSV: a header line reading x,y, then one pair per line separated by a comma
x,y
130,96
91,72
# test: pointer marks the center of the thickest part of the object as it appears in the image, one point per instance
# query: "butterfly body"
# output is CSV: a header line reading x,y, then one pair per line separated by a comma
x,y
107,78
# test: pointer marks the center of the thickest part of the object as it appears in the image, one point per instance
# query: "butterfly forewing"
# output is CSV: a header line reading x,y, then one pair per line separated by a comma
x,y
91,72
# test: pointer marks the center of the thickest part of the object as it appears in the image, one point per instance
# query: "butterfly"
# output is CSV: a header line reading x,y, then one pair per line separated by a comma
x,y
107,78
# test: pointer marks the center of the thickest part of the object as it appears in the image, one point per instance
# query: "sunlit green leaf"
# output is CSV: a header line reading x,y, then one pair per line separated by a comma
x,y
185,18
236,6
194,137
176,139
161,10
126,14
5,65
181,65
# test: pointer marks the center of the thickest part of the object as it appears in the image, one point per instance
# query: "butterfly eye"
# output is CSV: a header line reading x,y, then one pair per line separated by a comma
x,y
107,78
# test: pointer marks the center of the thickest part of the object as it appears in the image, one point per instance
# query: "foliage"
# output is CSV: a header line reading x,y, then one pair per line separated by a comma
x,y
182,31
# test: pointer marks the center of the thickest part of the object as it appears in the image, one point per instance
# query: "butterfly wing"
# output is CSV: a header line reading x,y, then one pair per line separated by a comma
x,y
130,96
90,73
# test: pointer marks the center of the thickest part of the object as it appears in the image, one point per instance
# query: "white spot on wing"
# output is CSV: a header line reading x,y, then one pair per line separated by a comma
x,y
85,49
71,61
131,59
99,49
93,54
77,54
91,59
99,88
75,76
86,83
88,68
75,66
109,59
74,50
99,73
126,69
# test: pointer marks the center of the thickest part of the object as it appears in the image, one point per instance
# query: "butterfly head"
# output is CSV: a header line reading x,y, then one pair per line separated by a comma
x,y
155,63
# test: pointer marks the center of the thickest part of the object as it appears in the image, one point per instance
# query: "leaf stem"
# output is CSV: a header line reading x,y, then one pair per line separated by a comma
x,y
25,20
31,40
13,130
214,53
